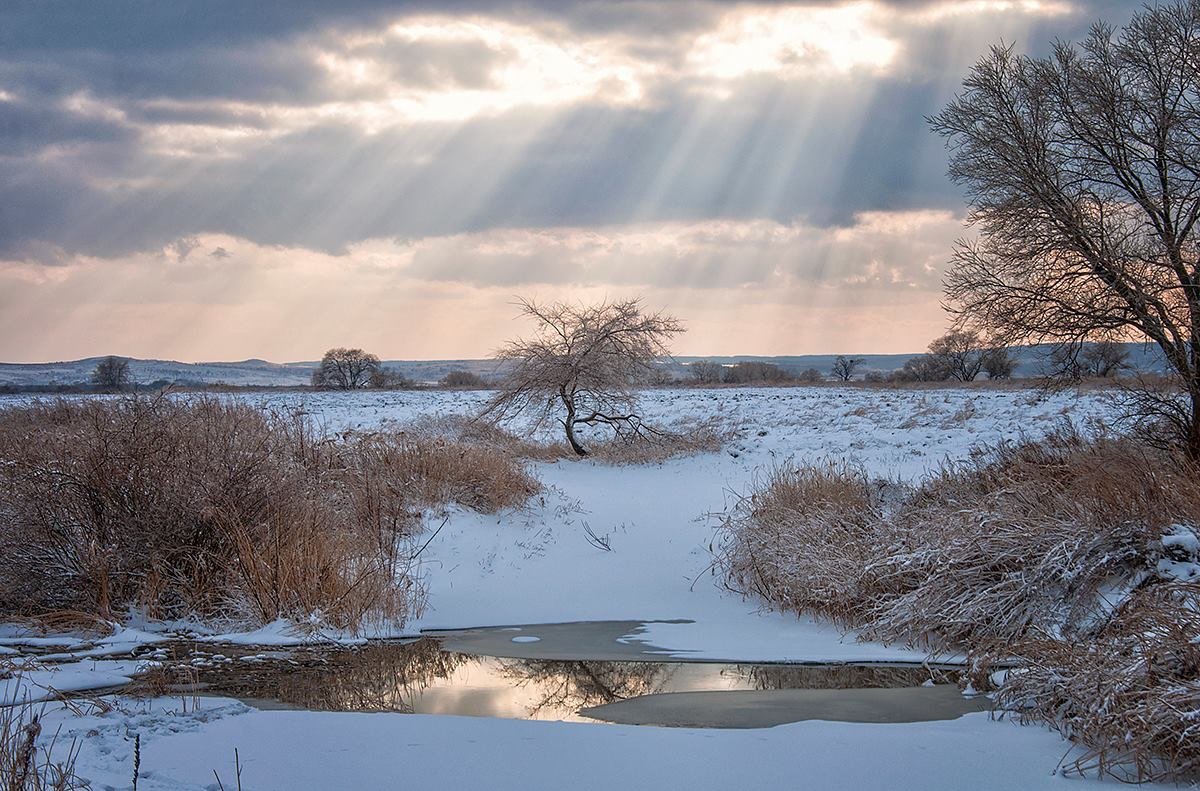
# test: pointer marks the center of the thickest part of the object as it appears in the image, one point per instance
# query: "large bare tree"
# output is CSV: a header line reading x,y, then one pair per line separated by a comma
x,y
111,374
1082,170
844,367
346,369
582,366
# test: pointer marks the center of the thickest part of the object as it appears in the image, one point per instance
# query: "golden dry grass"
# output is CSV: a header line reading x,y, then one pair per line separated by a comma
x,y
1013,553
209,507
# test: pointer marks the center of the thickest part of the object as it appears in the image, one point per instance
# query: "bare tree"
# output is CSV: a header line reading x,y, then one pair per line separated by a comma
x,y
844,367
998,363
1076,361
582,366
1083,174
922,368
959,353
706,372
382,378
810,376
462,380
1105,358
345,369
753,371
111,374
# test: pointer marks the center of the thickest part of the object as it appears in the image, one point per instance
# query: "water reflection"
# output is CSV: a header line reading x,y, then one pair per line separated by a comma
x,y
765,677
560,686
420,677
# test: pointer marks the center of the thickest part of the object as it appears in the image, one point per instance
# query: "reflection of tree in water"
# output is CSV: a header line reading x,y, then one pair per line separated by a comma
x,y
839,676
382,677
575,685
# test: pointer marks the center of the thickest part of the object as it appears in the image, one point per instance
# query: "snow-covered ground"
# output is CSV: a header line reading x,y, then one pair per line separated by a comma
x,y
290,750
537,566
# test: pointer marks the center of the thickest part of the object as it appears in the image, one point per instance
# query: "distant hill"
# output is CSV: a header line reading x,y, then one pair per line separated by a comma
x,y
254,372
1031,360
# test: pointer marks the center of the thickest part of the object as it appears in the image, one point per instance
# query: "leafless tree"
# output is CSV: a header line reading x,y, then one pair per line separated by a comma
x,y
111,374
1075,361
844,367
462,380
998,363
960,353
753,371
1083,174
582,366
922,368
1106,358
810,376
345,369
706,372
382,378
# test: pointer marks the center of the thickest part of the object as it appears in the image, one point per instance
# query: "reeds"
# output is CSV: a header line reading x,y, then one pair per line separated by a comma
x,y
208,507
1045,551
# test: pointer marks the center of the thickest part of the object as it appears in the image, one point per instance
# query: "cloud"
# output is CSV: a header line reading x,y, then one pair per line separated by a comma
x,y
221,294
642,144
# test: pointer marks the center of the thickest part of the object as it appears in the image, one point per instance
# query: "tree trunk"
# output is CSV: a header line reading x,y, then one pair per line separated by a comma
x,y
1193,437
569,425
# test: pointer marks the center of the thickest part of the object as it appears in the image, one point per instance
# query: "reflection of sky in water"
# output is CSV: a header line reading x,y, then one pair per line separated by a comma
x,y
520,689
421,678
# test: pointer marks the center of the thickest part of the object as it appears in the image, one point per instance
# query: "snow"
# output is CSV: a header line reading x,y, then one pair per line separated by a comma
x,y
536,566
33,683
1182,546
1183,539
321,750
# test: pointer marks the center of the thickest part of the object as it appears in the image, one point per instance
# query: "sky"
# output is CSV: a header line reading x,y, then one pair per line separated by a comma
x,y
217,180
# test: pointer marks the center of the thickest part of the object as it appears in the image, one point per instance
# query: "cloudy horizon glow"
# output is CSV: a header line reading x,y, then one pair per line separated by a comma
x,y
204,181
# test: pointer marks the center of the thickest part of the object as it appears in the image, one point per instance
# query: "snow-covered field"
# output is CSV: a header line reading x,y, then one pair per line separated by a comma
x,y
537,566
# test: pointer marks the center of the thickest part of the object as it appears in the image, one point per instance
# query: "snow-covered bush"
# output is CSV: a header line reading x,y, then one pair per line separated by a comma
x,y
1075,554
210,507
801,539
1132,693
1027,537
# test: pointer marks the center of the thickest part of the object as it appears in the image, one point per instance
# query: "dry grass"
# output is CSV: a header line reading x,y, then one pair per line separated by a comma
x,y
29,763
208,507
1131,694
1010,553
801,538
682,437
487,434
394,471
1023,537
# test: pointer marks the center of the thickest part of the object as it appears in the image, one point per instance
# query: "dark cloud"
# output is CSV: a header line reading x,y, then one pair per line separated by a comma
x,y
772,149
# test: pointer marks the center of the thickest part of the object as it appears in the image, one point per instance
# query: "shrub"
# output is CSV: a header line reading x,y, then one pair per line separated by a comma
x,y
1021,539
1131,693
754,372
801,539
213,508
1075,555
463,380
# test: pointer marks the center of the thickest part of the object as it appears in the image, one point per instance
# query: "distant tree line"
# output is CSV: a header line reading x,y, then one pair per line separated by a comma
x,y
354,369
